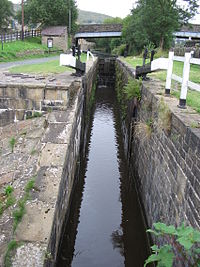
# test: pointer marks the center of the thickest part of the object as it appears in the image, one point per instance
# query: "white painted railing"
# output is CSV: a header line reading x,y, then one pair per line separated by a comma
x,y
185,79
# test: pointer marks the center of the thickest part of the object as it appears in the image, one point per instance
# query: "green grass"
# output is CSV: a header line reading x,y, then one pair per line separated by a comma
x,y
44,68
18,50
193,97
41,68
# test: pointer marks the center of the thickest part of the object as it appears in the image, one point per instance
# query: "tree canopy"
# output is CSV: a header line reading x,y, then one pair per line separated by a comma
x,y
6,11
50,12
155,21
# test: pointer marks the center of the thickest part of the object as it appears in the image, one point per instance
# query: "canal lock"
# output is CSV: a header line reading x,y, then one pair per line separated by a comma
x,y
106,223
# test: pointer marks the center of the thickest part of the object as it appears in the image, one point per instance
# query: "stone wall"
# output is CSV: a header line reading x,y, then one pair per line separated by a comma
x,y
74,155
59,42
164,153
18,99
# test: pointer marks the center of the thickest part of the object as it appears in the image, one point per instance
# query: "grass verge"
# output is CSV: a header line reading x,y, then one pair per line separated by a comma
x,y
50,67
19,50
41,68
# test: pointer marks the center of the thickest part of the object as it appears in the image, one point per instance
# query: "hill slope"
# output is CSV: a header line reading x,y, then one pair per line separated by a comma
x,y
84,17
87,17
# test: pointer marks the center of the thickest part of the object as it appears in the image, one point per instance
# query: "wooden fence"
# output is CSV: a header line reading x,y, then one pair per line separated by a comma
x,y
5,37
184,80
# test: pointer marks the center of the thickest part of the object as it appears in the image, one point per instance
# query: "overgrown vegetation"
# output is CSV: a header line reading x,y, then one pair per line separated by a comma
x,y
182,245
126,92
133,89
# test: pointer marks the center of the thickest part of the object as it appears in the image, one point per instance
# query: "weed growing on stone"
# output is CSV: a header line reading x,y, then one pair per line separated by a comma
x,y
19,213
195,125
182,246
1,208
34,115
30,186
21,210
33,152
143,130
8,199
24,133
12,245
8,190
12,143
164,117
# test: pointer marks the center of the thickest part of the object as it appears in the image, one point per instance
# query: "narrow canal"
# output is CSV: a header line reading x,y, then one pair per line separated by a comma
x,y
106,228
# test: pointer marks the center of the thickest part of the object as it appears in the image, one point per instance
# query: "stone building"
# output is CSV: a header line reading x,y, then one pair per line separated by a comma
x,y
58,34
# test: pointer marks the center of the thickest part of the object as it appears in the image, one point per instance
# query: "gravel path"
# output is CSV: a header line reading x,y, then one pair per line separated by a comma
x,y
27,62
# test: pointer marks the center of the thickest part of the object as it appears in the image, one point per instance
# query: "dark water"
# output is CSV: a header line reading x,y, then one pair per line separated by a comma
x,y
106,227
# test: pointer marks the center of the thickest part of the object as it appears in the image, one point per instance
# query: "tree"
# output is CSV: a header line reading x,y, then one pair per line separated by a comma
x,y
155,21
6,12
50,12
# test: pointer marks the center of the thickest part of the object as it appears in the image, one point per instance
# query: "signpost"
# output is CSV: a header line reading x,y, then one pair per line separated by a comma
x,y
49,43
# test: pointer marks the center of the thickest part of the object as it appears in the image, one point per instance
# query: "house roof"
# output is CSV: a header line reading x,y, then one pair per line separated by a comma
x,y
54,30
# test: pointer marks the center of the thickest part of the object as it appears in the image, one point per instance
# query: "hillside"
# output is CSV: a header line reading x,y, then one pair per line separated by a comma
x,y
86,17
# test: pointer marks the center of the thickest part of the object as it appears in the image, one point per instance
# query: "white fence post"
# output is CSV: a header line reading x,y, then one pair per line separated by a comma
x,y
90,54
184,87
169,73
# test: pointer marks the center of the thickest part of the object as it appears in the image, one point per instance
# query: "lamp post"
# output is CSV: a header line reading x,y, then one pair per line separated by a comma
x,y
22,20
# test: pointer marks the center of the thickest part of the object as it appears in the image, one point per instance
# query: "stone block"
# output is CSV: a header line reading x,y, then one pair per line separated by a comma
x,y
53,155
36,223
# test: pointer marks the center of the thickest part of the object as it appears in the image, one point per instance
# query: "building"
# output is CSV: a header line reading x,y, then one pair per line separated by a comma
x,y
58,35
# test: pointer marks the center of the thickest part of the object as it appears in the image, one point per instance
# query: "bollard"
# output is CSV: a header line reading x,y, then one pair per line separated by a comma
x,y
169,73
184,87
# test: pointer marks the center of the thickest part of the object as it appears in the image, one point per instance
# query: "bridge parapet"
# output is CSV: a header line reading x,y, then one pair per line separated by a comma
x,y
99,30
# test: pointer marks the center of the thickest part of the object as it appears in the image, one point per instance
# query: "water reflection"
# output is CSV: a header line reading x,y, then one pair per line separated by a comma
x,y
118,241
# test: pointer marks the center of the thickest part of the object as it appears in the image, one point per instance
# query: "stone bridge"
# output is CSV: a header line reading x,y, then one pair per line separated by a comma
x,y
98,31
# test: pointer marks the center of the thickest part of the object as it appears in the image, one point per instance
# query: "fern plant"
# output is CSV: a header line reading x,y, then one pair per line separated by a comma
x,y
132,89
